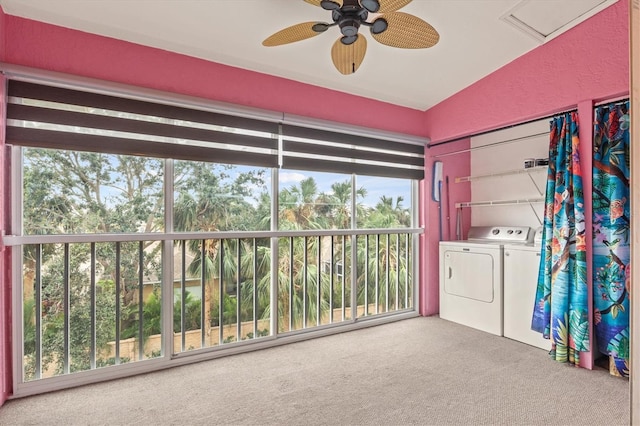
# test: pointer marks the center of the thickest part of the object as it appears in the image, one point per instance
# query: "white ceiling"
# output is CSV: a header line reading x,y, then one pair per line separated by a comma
x,y
474,40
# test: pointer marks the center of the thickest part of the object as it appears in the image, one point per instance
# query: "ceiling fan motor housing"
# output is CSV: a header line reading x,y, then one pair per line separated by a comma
x,y
349,27
350,16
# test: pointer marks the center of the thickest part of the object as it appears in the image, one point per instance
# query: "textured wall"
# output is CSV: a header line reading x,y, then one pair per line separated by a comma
x,y
452,166
590,61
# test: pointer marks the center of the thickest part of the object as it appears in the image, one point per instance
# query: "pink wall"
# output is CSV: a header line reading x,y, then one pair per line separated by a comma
x,y
3,40
587,64
50,47
5,299
452,166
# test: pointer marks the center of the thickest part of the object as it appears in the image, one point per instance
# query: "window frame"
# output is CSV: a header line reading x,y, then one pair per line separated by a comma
x,y
18,239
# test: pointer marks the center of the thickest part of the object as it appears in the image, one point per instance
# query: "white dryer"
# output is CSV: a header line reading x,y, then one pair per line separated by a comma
x,y
521,264
471,276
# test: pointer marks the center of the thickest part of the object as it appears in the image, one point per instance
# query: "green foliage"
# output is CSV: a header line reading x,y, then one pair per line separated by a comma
x,y
72,192
151,318
259,333
215,197
192,313
229,311
111,361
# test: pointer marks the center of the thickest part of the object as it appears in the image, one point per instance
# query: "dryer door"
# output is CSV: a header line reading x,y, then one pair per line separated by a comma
x,y
469,274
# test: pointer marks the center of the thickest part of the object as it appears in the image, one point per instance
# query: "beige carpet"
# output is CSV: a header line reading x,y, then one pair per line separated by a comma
x,y
423,371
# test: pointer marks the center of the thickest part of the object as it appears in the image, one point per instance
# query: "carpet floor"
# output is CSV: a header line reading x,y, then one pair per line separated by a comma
x,y
423,371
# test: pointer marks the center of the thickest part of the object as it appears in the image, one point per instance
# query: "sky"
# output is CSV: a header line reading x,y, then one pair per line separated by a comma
x,y
376,186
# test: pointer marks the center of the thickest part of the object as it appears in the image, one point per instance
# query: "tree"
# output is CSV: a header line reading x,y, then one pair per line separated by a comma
x,y
74,192
213,197
69,192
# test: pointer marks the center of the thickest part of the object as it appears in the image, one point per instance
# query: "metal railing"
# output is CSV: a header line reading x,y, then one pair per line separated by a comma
x,y
90,301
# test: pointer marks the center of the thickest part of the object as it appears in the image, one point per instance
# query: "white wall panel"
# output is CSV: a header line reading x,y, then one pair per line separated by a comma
x,y
512,147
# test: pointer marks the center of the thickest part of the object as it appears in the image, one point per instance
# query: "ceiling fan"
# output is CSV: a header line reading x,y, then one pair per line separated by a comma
x,y
387,26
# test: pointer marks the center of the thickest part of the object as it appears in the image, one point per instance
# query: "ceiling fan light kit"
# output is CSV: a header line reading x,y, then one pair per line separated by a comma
x,y
391,28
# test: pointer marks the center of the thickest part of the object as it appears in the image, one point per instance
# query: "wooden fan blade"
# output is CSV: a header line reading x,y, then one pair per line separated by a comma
x,y
407,31
347,59
317,2
291,34
387,6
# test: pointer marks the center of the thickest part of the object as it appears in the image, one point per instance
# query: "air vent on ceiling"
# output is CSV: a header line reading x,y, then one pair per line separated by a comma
x,y
544,20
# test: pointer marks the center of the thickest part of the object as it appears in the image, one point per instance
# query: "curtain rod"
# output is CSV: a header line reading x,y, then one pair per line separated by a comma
x,y
459,138
491,145
614,101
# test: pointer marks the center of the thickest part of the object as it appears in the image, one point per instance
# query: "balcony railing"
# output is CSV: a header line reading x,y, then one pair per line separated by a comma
x,y
91,301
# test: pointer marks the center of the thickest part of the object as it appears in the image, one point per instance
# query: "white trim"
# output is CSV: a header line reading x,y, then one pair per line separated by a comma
x,y
166,310
354,251
16,265
148,366
415,245
274,245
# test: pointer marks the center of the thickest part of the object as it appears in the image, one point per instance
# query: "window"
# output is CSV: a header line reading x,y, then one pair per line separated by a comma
x,y
69,192
134,211
386,202
314,200
221,197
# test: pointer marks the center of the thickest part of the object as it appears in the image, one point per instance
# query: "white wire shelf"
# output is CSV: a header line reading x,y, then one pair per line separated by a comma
x,y
493,203
461,179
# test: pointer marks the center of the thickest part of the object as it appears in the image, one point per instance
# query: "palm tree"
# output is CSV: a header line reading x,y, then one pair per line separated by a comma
x,y
385,278
298,205
386,214
207,202
304,289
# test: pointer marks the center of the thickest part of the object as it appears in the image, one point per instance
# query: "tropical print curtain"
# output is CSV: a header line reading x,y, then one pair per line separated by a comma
x,y
611,239
561,309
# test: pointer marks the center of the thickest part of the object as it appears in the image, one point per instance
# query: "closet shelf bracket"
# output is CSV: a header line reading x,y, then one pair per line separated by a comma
x,y
535,184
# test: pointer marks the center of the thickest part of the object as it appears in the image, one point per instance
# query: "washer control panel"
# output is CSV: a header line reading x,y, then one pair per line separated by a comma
x,y
505,234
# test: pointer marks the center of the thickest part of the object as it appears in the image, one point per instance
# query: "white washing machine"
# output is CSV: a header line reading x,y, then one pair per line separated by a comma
x,y
471,276
521,264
